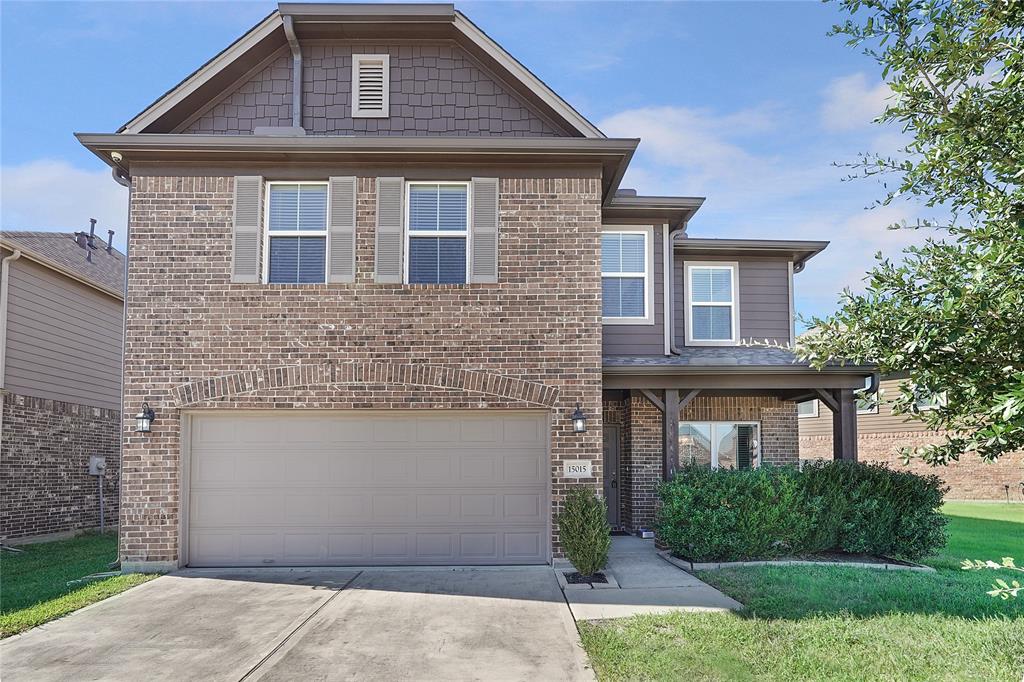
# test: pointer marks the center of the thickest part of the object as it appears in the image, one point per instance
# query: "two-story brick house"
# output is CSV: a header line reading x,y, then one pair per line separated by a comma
x,y
376,268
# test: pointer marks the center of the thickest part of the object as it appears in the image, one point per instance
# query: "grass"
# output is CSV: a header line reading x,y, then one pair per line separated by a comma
x,y
825,623
33,583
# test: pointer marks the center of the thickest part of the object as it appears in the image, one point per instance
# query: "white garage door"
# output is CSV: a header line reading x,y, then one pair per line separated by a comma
x,y
286,488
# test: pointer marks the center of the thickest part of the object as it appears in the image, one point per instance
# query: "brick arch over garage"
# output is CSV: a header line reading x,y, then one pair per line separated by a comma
x,y
481,382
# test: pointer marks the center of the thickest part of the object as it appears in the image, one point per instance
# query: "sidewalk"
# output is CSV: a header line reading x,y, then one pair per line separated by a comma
x,y
649,584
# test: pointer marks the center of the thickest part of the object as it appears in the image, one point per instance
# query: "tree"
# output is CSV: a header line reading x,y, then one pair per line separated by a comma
x,y
950,313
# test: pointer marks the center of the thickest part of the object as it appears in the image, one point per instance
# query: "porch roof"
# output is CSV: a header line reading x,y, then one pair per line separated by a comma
x,y
729,367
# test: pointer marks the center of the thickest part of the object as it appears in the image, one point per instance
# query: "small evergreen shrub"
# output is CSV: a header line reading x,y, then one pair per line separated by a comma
x,y
584,531
765,513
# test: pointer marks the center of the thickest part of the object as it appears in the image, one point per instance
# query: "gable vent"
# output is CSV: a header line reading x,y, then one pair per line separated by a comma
x,y
370,74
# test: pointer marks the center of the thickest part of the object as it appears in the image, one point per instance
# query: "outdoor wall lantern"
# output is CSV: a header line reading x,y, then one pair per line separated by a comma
x,y
144,419
579,420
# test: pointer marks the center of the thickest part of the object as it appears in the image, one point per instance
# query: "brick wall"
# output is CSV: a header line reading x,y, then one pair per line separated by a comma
x,y
643,460
968,479
188,323
45,486
435,89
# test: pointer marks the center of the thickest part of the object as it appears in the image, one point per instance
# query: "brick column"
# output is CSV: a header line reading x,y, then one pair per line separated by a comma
x,y
642,456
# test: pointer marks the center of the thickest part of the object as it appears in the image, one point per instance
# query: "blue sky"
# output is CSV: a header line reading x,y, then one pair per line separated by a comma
x,y
746,103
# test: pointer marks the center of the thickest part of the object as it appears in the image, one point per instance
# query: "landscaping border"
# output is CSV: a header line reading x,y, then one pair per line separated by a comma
x,y
612,583
692,566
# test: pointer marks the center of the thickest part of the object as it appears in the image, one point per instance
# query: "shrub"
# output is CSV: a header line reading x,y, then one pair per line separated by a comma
x,y
729,515
584,531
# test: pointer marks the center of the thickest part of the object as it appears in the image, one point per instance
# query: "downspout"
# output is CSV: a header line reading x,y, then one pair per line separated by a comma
x,y
5,269
670,323
122,178
293,43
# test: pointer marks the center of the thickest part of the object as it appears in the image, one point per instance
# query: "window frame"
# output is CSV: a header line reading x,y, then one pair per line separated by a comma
x,y
813,414
385,111
647,231
325,233
734,268
714,424
467,234
941,400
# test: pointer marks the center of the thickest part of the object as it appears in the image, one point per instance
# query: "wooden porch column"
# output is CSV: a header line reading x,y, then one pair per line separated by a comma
x,y
844,426
670,427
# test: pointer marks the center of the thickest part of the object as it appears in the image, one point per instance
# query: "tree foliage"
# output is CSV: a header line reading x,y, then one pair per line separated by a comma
x,y
948,313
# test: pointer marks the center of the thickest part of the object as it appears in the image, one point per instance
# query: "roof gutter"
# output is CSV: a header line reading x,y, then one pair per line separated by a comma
x,y
293,43
712,370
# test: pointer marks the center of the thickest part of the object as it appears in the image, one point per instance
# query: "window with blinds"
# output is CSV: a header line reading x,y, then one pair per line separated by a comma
x,y
625,276
711,304
370,85
438,226
296,233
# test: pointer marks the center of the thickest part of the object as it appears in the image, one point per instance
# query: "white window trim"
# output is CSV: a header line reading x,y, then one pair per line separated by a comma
x,y
735,304
648,274
941,399
812,415
325,233
385,112
466,234
756,455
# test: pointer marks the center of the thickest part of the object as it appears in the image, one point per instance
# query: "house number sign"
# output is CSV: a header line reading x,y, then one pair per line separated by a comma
x,y
578,468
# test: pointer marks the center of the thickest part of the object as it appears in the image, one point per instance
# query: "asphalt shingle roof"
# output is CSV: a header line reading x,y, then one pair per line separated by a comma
x,y
713,356
105,269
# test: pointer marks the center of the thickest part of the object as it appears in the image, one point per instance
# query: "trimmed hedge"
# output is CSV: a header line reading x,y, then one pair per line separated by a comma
x,y
771,512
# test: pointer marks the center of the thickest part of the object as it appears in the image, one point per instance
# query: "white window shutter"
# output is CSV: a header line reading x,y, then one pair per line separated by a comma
x,y
341,226
370,85
484,226
389,239
246,229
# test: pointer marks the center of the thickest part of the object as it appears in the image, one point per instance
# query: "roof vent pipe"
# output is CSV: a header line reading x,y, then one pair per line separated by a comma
x,y
293,43
110,241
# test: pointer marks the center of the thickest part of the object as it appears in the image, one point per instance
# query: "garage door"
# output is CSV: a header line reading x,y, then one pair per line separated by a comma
x,y
372,488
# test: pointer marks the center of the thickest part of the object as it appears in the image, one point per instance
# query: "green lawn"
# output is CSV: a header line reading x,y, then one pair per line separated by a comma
x,y
824,623
33,583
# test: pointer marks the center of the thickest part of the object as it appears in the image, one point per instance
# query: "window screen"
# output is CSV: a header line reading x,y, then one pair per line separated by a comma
x,y
623,275
712,302
297,226
437,229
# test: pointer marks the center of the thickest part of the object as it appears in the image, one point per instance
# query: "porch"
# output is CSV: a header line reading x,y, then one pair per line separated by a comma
x,y
724,407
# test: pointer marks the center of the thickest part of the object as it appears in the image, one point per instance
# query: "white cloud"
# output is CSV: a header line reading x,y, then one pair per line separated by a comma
x,y
850,103
52,194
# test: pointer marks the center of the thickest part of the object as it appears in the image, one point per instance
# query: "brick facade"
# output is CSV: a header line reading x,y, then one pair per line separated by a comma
x,y
531,341
44,469
968,479
641,446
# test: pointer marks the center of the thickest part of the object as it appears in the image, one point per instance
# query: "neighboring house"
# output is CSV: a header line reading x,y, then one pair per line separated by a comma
x,y
378,267
881,433
61,318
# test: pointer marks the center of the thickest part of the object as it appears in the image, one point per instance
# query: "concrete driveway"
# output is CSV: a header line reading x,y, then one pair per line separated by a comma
x,y
314,624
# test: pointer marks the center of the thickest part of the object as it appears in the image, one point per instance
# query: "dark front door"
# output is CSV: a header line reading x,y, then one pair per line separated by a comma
x,y
611,473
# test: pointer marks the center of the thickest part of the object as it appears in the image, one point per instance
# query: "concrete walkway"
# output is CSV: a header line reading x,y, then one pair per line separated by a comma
x,y
649,584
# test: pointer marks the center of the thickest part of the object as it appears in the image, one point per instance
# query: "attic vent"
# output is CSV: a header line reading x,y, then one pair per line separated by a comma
x,y
370,85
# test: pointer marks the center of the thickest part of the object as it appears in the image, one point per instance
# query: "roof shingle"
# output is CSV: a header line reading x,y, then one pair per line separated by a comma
x,y
61,249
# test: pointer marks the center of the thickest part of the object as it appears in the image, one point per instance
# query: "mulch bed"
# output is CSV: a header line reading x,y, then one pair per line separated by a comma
x,y
576,578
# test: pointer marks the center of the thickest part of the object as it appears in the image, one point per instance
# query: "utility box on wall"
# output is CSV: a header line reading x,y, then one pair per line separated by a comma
x,y
97,465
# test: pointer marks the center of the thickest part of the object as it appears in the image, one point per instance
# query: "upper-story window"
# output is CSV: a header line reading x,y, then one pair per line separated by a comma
x,y
296,235
867,403
712,310
925,401
626,258
808,408
370,75
437,231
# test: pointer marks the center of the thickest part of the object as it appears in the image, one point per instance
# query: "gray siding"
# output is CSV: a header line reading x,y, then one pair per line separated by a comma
x,y
63,338
435,89
642,339
764,299
882,421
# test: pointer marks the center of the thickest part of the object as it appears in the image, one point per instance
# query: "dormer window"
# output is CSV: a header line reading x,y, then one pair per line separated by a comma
x,y
370,85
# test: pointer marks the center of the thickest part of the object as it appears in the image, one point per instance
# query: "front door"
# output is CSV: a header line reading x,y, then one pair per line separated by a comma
x,y
611,473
